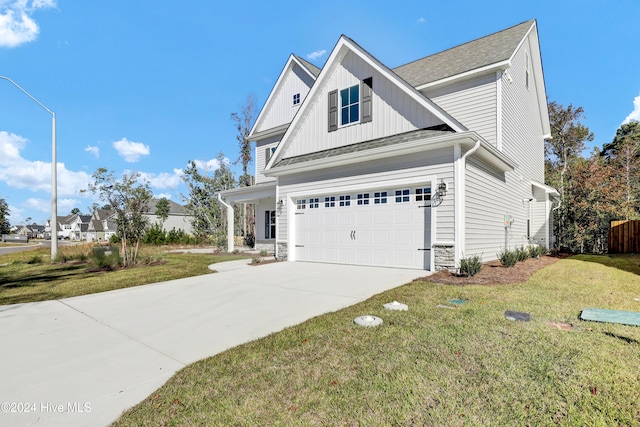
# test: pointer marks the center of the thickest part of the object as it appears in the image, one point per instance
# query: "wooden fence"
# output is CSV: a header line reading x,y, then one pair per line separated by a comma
x,y
624,237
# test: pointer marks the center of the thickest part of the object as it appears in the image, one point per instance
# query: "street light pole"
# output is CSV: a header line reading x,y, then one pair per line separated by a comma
x,y
54,174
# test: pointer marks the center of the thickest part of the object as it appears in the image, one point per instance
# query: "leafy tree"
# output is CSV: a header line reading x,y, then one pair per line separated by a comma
x,y
202,203
5,226
162,209
562,152
244,121
129,199
75,211
623,153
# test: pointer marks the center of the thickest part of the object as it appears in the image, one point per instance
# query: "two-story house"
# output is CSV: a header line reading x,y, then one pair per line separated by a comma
x,y
101,226
413,167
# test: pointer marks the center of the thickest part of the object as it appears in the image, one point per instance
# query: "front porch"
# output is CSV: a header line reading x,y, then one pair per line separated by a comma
x,y
263,197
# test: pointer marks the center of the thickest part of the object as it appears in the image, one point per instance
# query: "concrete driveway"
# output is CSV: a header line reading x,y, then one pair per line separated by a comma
x,y
82,361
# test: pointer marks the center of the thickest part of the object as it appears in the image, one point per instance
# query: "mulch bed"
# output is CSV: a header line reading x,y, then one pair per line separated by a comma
x,y
493,273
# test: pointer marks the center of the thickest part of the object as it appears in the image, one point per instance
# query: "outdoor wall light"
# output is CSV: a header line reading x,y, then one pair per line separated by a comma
x,y
280,203
442,189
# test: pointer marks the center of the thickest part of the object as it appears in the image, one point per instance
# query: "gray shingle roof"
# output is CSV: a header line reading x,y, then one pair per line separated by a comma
x,y
314,70
174,208
469,56
363,146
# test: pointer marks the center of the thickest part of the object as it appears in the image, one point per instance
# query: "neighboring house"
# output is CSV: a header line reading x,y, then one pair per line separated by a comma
x,y
178,217
80,226
48,229
417,166
33,231
101,226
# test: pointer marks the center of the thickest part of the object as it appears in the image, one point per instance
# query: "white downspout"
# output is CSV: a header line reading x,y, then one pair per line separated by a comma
x,y
460,190
230,224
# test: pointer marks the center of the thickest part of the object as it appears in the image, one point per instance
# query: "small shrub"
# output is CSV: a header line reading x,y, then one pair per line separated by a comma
x,y
264,253
537,251
521,254
470,266
36,259
507,258
256,260
236,251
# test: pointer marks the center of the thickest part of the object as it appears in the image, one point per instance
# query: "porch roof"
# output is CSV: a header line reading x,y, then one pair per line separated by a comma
x,y
250,194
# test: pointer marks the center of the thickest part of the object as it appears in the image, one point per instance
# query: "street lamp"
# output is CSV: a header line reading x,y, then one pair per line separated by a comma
x,y
54,185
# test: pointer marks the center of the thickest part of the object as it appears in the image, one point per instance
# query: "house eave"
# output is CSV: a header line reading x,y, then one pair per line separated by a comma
x,y
278,130
467,140
491,68
250,194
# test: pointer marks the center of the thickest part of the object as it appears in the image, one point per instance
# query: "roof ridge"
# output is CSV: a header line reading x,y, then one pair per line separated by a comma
x,y
465,43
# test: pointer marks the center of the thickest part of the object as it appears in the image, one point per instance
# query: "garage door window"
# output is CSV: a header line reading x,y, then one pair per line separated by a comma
x,y
314,203
380,198
301,204
423,194
330,202
403,196
345,201
363,199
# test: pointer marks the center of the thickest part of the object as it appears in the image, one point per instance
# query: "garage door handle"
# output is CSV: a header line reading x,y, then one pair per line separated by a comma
x,y
353,235
420,249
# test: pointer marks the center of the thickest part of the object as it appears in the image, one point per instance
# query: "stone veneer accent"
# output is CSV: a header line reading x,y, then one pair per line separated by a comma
x,y
444,256
265,245
282,251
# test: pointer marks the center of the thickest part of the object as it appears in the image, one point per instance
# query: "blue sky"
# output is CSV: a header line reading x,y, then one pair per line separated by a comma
x,y
147,86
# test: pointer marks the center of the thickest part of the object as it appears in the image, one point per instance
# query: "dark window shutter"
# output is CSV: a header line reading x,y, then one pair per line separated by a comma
x,y
333,110
366,88
267,155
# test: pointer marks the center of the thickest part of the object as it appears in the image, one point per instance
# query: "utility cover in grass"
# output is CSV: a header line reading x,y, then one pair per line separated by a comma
x,y
611,316
456,301
517,315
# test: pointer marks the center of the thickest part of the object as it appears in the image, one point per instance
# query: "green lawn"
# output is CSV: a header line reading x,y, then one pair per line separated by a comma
x,y
467,366
30,276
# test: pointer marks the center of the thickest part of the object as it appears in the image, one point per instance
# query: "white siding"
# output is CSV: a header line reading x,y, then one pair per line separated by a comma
x,y
372,175
490,196
281,109
393,112
522,128
472,103
179,222
260,157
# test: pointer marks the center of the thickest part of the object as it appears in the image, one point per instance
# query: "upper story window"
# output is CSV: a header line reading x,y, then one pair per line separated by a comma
x,y
350,105
268,153
296,99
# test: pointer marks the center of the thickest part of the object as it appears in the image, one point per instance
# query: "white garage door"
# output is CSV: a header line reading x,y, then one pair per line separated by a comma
x,y
389,227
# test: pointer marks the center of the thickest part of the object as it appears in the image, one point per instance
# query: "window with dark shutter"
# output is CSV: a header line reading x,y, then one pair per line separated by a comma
x,y
333,110
367,95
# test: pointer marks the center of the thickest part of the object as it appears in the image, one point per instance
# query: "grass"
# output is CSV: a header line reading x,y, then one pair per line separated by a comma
x,y
431,366
29,276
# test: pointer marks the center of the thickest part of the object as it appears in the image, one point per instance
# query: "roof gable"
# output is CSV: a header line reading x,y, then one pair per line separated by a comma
x,y
494,49
297,76
355,60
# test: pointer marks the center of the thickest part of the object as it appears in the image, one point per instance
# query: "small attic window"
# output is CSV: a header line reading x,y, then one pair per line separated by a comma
x,y
296,99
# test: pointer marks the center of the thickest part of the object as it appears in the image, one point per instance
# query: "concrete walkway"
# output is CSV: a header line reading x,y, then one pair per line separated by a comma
x,y
82,361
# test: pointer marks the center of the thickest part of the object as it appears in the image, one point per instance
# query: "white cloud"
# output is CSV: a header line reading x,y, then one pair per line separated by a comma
x,y
635,114
161,195
209,166
16,24
421,20
131,151
93,150
163,180
18,172
317,54
64,206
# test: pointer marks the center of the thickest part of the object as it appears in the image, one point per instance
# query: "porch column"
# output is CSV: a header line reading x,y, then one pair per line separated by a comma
x,y
230,224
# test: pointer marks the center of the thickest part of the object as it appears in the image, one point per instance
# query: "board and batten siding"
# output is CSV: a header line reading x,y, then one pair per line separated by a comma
x,y
393,111
281,107
260,156
473,103
371,175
